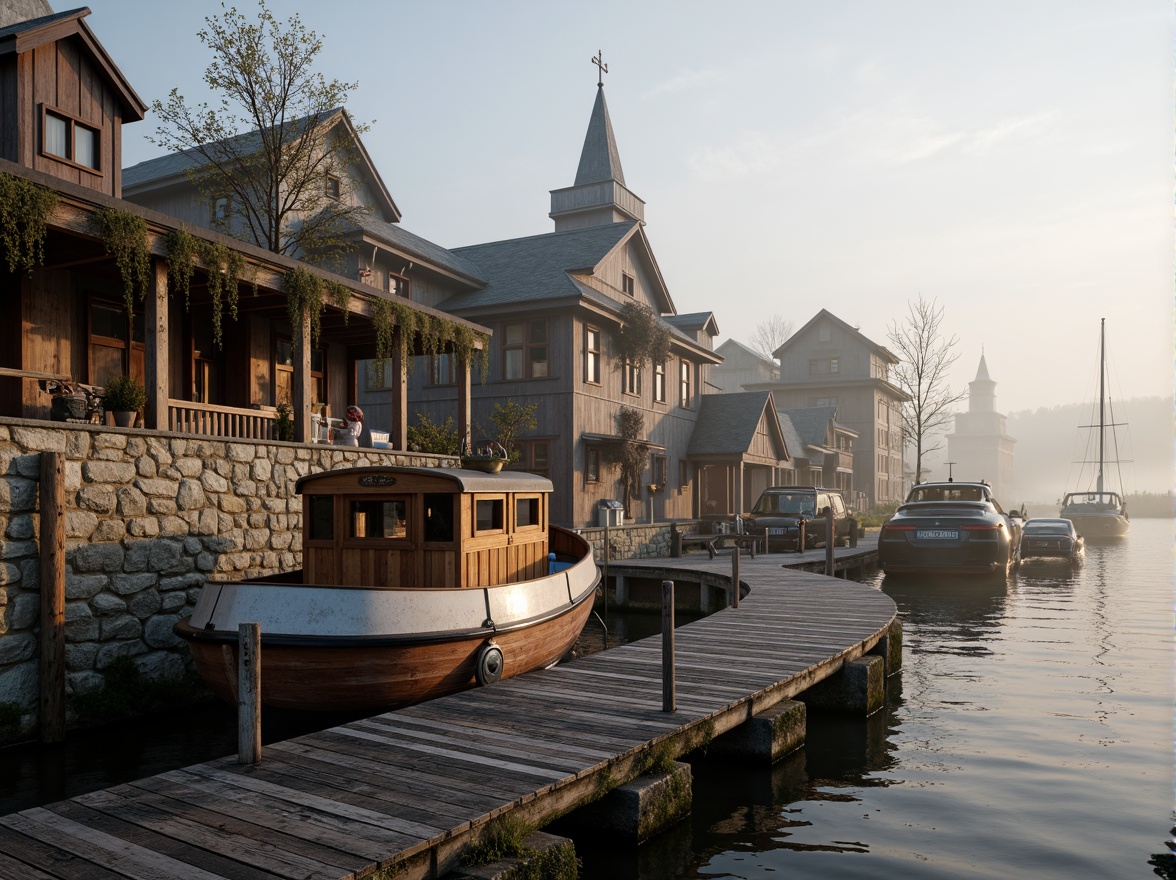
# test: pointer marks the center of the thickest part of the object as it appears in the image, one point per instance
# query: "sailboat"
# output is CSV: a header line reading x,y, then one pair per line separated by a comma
x,y
1101,513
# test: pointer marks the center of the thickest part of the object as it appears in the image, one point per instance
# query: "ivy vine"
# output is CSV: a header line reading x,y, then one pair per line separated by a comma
x,y
225,267
182,249
24,221
644,337
340,295
125,236
304,296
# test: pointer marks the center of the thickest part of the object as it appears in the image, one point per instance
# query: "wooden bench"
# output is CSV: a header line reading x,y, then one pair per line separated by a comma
x,y
716,542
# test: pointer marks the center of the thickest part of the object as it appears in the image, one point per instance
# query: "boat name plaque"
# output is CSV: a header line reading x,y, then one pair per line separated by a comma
x,y
377,480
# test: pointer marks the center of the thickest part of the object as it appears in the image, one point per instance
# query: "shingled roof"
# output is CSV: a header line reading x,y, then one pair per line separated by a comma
x,y
401,239
533,269
727,422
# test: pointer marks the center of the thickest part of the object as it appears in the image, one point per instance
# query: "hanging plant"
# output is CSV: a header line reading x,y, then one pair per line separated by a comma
x,y
644,337
465,343
340,295
224,272
125,236
24,221
382,321
304,296
182,248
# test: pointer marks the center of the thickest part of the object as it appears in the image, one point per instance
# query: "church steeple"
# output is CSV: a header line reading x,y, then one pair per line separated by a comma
x,y
599,194
982,390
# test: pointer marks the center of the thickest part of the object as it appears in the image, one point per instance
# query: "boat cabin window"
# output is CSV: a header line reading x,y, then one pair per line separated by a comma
x,y
379,519
439,518
321,514
488,514
527,512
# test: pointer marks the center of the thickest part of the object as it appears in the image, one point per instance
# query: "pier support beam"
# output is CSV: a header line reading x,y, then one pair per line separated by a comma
x,y
637,810
764,738
860,688
890,648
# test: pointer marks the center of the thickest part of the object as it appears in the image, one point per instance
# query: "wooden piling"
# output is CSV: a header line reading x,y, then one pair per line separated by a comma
x,y
52,540
735,576
830,541
669,700
249,693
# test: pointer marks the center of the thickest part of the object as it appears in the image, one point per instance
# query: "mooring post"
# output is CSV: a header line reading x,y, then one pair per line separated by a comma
x,y
249,693
605,581
800,535
52,538
669,701
735,576
830,540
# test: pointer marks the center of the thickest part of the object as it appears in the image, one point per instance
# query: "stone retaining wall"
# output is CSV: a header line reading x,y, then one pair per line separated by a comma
x,y
637,541
149,517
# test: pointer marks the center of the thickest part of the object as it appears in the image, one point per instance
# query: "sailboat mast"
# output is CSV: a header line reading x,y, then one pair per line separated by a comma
x,y
1102,371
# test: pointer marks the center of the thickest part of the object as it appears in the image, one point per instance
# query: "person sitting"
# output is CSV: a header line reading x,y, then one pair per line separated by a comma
x,y
353,432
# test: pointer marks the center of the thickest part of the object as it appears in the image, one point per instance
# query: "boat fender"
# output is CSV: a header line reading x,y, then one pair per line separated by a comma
x,y
488,667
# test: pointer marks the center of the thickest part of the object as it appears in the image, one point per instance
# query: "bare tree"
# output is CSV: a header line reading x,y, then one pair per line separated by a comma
x,y
770,335
925,357
276,147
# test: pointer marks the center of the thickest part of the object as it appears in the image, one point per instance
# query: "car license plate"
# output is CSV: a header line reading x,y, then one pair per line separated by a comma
x,y
937,534
775,531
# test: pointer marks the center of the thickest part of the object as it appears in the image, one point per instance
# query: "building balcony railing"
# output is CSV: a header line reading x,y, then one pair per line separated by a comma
x,y
186,417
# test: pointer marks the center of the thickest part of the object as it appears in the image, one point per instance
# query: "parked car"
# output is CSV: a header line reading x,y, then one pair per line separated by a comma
x,y
778,512
950,527
1049,539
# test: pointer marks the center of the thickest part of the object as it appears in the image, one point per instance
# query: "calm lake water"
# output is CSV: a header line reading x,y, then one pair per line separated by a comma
x,y
1030,734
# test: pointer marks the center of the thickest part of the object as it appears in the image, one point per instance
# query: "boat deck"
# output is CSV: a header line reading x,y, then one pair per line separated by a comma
x,y
405,790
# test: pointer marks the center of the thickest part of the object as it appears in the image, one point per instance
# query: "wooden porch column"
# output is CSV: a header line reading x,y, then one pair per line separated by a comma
x,y
155,348
300,390
464,405
399,391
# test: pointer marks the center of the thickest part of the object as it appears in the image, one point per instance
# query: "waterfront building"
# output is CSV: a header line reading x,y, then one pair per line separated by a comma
x,y
830,363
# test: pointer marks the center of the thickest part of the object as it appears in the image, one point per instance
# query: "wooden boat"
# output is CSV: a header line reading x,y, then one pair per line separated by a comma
x,y
416,582
1099,512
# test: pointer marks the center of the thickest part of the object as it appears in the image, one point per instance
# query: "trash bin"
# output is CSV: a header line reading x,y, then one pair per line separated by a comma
x,y
610,512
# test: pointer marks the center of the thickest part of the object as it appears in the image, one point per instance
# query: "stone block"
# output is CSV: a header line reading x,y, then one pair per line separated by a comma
x,y
129,584
162,506
17,549
158,631
124,626
80,656
20,527
160,666
39,439
107,654
9,573
639,809
19,684
143,527
172,601
858,688
17,494
84,586
131,501
80,524
106,603
83,682
146,467
24,610
144,604
890,648
190,495
764,738
109,531
98,557
16,647
108,472
551,849
158,488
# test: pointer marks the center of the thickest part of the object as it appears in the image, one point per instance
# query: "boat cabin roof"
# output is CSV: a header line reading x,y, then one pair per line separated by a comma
x,y
462,480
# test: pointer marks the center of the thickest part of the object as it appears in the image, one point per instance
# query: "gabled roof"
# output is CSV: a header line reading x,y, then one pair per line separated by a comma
x,y
599,159
727,423
880,350
171,167
811,423
791,437
24,36
400,239
741,348
696,321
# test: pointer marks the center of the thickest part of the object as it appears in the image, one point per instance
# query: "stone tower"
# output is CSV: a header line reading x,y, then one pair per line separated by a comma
x,y
979,447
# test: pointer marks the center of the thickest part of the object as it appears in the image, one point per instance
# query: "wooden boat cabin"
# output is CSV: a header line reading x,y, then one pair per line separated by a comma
x,y
423,527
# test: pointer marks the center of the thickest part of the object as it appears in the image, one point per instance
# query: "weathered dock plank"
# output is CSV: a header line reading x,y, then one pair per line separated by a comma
x,y
403,790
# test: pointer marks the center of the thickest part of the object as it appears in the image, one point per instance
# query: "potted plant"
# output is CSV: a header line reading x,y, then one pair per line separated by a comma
x,y
284,426
124,396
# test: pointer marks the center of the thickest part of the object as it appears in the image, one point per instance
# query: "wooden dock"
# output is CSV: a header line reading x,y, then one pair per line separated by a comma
x,y
402,793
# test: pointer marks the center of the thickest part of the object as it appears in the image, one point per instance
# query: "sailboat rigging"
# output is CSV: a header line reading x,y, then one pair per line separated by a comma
x,y
1101,513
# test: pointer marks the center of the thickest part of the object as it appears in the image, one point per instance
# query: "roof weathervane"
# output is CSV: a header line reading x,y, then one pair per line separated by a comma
x,y
602,68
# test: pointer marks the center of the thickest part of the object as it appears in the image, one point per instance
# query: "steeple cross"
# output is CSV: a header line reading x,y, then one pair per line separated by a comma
x,y
602,67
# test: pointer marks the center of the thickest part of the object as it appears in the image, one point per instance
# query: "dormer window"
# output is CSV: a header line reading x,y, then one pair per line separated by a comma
x,y
398,285
628,284
69,140
334,187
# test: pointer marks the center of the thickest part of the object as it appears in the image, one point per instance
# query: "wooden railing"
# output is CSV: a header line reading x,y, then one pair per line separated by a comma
x,y
186,417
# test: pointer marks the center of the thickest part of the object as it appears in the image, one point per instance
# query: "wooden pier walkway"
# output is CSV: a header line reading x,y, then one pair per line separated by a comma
x,y
401,794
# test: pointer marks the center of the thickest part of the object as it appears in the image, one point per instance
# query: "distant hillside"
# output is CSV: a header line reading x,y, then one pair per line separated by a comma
x,y
1049,444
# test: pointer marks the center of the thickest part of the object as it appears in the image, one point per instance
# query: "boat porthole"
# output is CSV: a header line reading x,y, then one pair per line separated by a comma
x,y
489,665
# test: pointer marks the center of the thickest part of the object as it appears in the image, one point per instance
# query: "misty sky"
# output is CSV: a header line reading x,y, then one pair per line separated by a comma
x,y
1011,159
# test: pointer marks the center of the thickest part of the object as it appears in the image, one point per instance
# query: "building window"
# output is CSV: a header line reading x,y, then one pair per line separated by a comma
x,y
70,140
684,385
488,514
284,373
628,284
631,378
116,343
659,383
222,211
592,465
379,519
824,333
823,366
398,285
658,467
334,187
834,365
822,401
207,383
443,369
592,355
534,457
524,350
683,474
